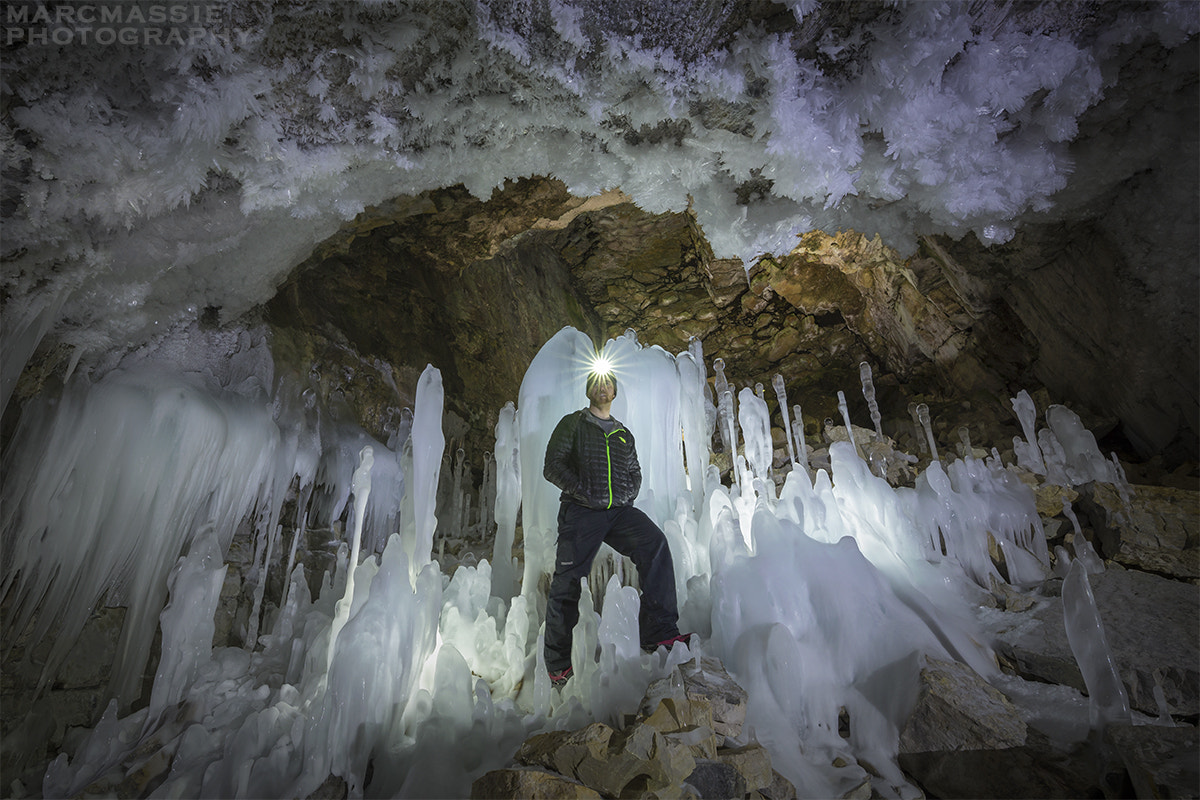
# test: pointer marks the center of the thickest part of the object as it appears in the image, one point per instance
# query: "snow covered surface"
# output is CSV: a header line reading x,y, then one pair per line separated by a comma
x,y
152,179
822,595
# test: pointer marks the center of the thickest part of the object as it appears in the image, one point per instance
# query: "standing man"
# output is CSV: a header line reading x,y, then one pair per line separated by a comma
x,y
591,457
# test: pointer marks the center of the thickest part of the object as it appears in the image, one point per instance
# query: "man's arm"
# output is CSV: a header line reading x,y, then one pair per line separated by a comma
x,y
559,467
635,469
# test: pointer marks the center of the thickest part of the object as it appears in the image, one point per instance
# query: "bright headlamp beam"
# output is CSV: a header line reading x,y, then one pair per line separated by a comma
x,y
600,366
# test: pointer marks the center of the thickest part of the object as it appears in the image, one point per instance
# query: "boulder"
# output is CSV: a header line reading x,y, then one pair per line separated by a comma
x,y
752,762
1034,769
958,710
1150,625
1050,497
1158,532
782,789
614,763
717,780
669,749
708,681
1161,761
529,783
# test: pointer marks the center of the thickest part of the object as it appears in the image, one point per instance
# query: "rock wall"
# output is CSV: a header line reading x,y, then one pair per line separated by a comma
x,y
475,288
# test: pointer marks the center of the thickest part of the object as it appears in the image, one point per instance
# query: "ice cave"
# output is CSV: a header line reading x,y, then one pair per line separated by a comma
x,y
904,303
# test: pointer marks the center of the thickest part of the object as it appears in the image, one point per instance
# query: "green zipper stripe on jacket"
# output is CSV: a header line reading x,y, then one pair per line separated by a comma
x,y
608,454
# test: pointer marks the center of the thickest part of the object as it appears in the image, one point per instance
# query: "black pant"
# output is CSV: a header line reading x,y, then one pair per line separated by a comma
x,y
631,533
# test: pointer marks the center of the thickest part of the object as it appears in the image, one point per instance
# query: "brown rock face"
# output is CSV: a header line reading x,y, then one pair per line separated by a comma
x,y
475,288
441,279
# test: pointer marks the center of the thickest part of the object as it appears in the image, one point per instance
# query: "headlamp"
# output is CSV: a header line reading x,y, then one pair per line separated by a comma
x,y
600,367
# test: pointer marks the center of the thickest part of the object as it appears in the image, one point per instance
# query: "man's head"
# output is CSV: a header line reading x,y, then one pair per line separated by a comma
x,y
596,380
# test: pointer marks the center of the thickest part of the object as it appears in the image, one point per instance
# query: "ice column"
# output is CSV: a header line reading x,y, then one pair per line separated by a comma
x,y
1107,699
868,389
508,500
781,397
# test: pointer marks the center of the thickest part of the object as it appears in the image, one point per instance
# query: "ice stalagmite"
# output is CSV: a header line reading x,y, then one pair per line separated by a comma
x,y
694,422
846,421
781,398
802,445
868,390
1108,701
428,444
756,433
1027,452
361,484
508,498
187,622
923,418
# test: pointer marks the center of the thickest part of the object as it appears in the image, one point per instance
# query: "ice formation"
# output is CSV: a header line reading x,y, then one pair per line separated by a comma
x,y
194,175
821,594
1107,700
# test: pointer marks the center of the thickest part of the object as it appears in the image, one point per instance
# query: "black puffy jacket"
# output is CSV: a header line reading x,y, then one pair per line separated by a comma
x,y
593,469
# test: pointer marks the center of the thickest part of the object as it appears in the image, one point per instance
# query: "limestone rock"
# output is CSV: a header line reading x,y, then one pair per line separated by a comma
x,y
616,764
332,788
1161,761
717,780
1050,498
529,783
752,762
1150,625
1159,532
782,789
1034,769
709,681
562,750
958,710
1010,598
